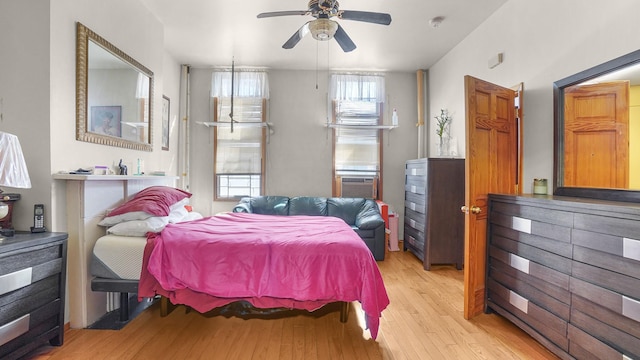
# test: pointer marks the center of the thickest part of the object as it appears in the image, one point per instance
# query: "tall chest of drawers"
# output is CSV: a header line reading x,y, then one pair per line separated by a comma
x,y
32,292
567,271
433,223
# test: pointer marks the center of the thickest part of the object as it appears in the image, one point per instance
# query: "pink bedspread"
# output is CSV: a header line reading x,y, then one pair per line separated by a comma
x,y
297,262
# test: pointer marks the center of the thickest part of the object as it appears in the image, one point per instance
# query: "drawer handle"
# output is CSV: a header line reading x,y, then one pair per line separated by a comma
x,y
631,249
631,308
412,206
14,329
15,280
412,223
413,189
519,263
520,224
519,302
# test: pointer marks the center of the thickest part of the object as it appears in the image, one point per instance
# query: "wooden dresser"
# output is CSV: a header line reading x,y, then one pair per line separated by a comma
x,y
32,292
433,223
567,271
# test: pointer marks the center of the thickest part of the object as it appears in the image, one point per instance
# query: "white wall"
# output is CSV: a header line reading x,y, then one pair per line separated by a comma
x,y
299,158
133,29
542,41
25,96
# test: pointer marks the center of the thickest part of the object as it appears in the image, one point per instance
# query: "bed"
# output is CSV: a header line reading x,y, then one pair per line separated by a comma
x,y
268,261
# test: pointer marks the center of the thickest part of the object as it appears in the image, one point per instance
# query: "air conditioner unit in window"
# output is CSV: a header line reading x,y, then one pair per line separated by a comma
x,y
361,187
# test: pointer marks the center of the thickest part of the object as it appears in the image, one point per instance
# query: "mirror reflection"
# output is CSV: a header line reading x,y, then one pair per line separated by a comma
x,y
598,131
601,121
114,95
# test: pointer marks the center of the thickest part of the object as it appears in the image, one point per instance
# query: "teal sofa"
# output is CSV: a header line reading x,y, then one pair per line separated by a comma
x,y
361,214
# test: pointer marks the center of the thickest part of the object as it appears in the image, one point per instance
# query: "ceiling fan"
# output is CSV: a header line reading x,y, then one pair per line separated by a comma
x,y
323,28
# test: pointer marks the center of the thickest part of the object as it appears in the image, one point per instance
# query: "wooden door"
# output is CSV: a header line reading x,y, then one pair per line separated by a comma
x,y
596,135
492,153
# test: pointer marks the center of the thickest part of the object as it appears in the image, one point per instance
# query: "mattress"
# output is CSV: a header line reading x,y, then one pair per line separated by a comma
x,y
118,257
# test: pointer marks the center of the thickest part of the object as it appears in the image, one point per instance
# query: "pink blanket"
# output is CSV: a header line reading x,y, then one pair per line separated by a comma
x,y
298,262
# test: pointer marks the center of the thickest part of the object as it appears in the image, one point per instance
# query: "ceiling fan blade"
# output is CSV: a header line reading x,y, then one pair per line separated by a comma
x,y
344,40
366,16
297,36
282,13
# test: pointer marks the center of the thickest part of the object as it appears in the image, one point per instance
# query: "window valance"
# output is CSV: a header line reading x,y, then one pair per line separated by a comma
x,y
250,84
354,87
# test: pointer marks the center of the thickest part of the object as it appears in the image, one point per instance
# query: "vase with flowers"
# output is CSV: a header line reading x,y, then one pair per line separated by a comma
x,y
443,122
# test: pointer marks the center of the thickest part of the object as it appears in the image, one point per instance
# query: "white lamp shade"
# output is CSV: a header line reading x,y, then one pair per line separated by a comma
x,y
323,29
13,168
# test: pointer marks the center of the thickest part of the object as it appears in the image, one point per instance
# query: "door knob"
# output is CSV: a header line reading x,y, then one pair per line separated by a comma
x,y
474,209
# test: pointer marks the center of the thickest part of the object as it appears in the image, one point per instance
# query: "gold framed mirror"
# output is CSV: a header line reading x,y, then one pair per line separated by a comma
x,y
114,94
597,131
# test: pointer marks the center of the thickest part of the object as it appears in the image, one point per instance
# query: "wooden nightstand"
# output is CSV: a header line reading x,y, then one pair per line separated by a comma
x,y
32,290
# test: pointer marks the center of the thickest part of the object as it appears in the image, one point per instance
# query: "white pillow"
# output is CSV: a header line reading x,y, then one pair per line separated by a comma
x,y
116,219
139,227
193,216
177,215
151,224
140,215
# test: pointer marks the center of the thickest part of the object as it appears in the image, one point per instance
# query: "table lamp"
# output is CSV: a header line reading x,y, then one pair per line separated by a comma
x,y
13,173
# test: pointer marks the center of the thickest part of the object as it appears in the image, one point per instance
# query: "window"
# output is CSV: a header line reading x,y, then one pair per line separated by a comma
x,y
357,102
239,151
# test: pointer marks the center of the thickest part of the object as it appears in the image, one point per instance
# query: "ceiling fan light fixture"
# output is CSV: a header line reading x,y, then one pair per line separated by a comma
x,y
323,29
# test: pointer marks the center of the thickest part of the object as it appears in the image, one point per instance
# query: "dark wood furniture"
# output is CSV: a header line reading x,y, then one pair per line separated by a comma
x,y
6,224
32,292
433,223
567,271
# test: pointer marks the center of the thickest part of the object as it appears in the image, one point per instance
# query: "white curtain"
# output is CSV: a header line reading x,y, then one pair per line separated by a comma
x,y
142,87
245,84
354,87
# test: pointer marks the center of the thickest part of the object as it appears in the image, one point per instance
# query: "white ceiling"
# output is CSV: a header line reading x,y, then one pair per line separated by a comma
x,y
205,33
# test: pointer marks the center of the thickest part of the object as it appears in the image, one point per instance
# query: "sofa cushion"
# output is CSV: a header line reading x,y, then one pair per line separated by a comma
x,y
308,205
369,216
270,205
346,209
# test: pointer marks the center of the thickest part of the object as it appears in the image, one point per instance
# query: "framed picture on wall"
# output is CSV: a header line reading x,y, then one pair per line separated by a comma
x,y
166,103
105,120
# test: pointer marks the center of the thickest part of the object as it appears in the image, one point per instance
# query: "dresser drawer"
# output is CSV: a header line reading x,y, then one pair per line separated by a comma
x,y
415,186
546,295
532,253
619,283
32,289
544,322
587,316
413,243
415,202
607,306
414,220
614,253
537,214
585,346
558,281
415,167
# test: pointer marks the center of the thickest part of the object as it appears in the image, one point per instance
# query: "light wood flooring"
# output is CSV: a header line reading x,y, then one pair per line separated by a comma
x,y
424,321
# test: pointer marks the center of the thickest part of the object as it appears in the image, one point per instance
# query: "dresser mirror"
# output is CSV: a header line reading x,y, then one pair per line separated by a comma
x,y
597,131
114,95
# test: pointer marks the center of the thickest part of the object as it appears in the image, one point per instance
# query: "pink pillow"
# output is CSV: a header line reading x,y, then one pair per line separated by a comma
x,y
154,200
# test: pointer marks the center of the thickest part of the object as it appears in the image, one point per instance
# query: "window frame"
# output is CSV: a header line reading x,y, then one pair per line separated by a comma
x,y
263,152
336,187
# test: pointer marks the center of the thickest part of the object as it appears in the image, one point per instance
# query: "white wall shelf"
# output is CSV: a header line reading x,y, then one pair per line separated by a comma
x,y
236,124
362,127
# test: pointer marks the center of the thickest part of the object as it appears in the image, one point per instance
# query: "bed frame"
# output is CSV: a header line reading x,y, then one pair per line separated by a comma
x,y
126,287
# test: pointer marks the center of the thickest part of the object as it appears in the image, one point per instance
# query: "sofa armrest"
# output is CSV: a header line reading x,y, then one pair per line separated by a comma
x,y
244,206
369,216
